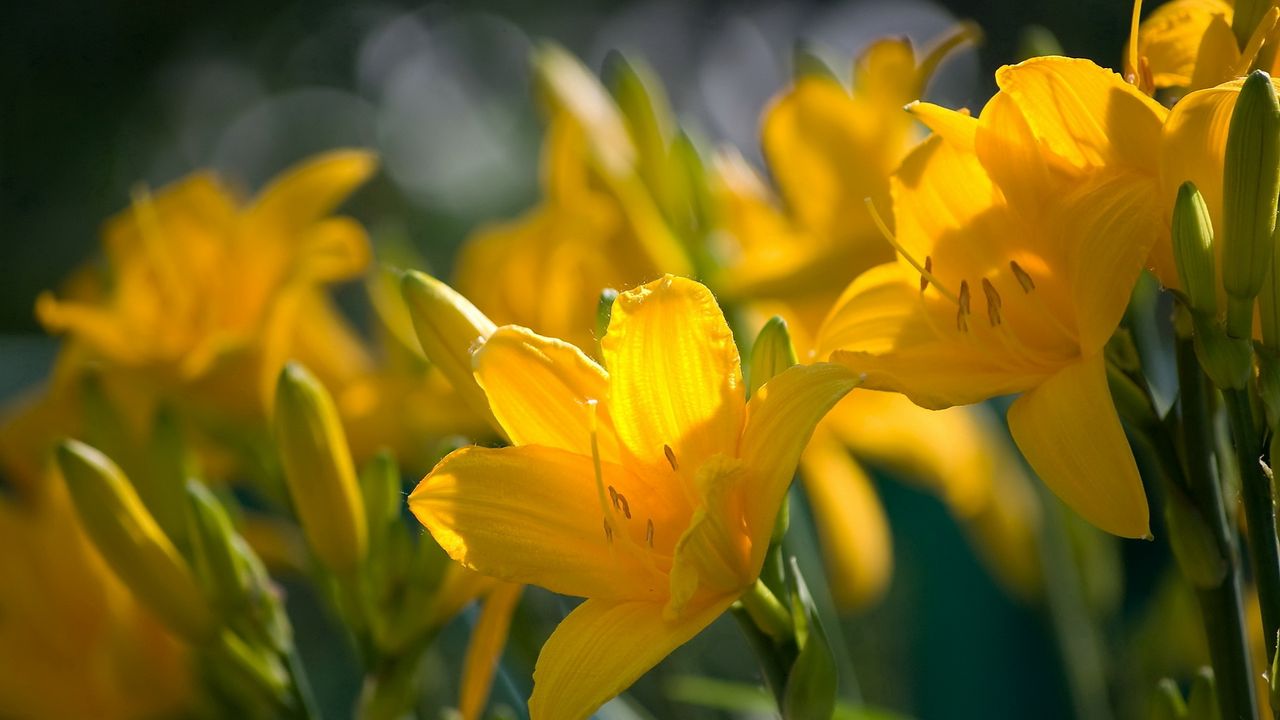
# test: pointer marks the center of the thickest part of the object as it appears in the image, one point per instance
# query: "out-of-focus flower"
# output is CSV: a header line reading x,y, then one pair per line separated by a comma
x,y
651,489
598,225
1190,45
73,639
1020,237
205,295
828,149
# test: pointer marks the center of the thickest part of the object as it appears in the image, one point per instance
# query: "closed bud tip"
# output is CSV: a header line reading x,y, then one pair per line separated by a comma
x,y
318,469
131,540
449,328
1193,249
771,353
1250,184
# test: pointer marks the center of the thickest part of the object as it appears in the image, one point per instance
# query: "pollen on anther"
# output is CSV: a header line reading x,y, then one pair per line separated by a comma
x,y
1023,278
671,457
626,506
648,532
928,268
962,314
993,302
613,497
608,530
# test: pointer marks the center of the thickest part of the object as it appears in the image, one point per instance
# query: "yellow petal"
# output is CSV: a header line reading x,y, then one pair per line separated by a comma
x,y
334,249
601,648
826,153
1171,38
674,374
311,190
714,556
1079,116
1218,55
534,515
484,650
882,328
1070,434
545,392
886,72
957,127
1114,223
857,548
780,418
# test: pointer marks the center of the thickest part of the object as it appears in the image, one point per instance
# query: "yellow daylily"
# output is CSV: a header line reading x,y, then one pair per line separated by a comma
x,y
650,489
206,292
1021,234
597,226
1189,45
794,257
827,149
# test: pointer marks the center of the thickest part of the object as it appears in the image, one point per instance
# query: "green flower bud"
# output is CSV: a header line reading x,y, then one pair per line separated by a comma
x,y
132,542
647,115
449,327
1250,184
1202,701
604,310
1193,249
771,353
318,470
806,62
216,559
1167,703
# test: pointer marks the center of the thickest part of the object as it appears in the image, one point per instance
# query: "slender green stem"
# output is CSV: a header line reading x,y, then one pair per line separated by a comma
x,y
1255,490
1076,632
307,709
775,660
1221,607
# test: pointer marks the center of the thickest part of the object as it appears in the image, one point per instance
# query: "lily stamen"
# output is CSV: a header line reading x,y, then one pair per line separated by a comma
x,y
925,271
648,533
671,457
993,302
962,314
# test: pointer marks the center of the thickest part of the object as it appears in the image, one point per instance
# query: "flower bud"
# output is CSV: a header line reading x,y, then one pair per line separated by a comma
x,y
216,559
449,328
1167,703
132,542
1202,700
1193,249
318,470
1250,184
604,311
771,353
567,86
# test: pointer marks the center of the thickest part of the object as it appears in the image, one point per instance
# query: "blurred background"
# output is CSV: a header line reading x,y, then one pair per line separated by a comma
x,y
103,96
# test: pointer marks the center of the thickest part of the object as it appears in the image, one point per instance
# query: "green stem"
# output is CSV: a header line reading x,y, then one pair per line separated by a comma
x,y
775,661
307,709
1221,607
1073,625
1260,513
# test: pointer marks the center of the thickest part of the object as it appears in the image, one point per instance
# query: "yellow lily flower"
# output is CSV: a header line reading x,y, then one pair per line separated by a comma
x,y
598,225
795,263
206,292
650,489
1020,234
827,149
1189,45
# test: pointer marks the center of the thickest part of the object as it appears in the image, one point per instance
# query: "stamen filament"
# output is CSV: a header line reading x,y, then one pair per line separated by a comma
x,y
924,271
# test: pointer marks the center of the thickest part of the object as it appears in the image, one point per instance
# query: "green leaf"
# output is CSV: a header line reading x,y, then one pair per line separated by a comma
x,y
812,682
